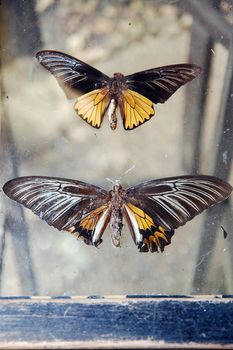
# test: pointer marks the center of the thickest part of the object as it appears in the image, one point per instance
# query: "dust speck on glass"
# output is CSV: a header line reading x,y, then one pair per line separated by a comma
x,y
43,133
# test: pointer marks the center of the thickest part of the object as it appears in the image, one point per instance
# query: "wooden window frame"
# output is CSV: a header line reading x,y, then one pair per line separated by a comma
x,y
128,322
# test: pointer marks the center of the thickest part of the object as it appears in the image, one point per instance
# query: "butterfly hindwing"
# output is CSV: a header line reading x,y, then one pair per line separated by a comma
x,y
135,109
158,84
92,106
147,235
171,202
72,74
92,226
62,203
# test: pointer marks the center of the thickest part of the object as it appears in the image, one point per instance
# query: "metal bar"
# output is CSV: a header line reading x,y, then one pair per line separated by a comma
x,y
212,20
19,36
200,46
222,161
15,223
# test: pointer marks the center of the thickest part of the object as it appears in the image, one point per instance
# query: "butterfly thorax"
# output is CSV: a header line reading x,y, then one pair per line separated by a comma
x,y
117,84
117,200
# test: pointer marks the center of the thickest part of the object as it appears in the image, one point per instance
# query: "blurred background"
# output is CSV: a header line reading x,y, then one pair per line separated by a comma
x,y
42,135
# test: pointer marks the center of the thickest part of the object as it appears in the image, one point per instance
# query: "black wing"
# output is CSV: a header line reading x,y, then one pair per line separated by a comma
x,y
171,202
73,75
158,84
69,205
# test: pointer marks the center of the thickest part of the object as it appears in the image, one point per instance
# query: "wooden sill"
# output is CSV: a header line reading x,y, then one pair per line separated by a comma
x,y
122,322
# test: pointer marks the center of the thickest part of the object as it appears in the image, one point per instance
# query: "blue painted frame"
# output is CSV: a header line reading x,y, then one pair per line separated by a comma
x,y
160,320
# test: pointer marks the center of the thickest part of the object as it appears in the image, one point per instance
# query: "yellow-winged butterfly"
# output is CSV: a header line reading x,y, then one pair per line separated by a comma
x,y
96,92
152,209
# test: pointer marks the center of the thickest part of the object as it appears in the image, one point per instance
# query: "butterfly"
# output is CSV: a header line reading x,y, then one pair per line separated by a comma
x,y
96,93
152,209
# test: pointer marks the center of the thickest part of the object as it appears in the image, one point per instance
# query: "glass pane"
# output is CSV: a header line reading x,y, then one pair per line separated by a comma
x,y
42,135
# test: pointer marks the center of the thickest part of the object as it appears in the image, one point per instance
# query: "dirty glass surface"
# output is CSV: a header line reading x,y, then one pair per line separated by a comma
x,y
42,135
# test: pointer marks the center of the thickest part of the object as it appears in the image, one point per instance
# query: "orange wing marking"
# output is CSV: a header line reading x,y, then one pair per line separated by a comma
x,y
144,221
92,226
92,106
90,221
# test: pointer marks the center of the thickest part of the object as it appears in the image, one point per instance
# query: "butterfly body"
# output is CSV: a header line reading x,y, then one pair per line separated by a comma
x,y
152,209
117,202
112,114
117,84
135,94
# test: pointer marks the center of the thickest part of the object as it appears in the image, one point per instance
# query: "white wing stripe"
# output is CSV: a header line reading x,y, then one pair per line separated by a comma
x,y
39,201
63,59
160,200
205,187
138,235
60,203
197,183
71,77
197,191
68,206
193,195
170,82
176,204
188,201
99,226
160,85
59,64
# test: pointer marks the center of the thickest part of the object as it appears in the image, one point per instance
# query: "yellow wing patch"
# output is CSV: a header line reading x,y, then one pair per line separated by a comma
x,y
92,106
144,221
153,237
135,109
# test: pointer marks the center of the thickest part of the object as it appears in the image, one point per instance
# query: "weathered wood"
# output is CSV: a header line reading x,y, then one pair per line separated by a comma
x,y
155,321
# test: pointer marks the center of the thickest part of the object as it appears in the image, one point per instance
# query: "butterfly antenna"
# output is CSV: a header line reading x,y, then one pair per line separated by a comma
x,y
127,171
117,181
110,180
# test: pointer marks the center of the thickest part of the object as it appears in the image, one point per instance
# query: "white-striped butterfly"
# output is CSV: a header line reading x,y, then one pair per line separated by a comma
x,y
152,209
95,92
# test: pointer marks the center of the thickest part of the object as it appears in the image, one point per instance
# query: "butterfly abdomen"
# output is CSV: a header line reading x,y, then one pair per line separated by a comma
x,y
112,114
116,226
117,195
116,86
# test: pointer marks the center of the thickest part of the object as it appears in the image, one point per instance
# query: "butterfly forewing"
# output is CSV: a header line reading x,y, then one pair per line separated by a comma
x,y
63,203
158,84
173,201
73,75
